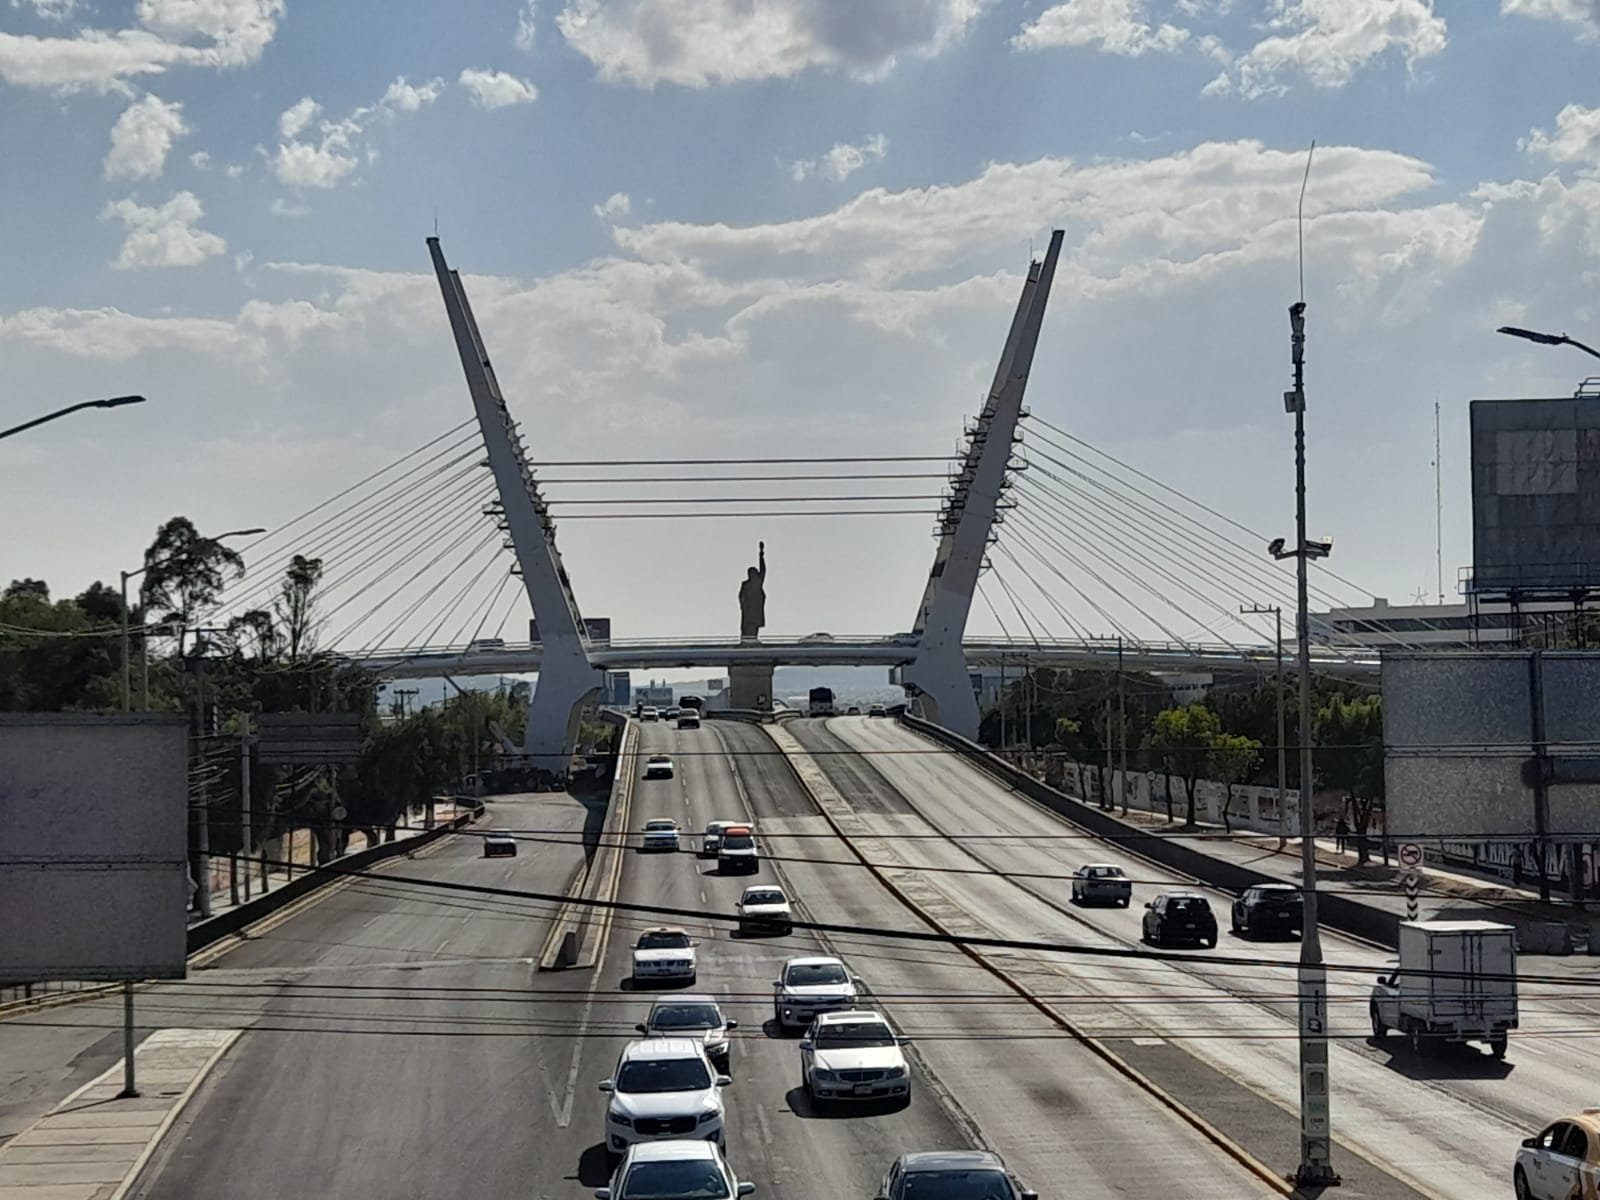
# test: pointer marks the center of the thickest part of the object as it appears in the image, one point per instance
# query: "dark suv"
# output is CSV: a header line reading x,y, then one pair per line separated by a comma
x,y
1268,908
1180,917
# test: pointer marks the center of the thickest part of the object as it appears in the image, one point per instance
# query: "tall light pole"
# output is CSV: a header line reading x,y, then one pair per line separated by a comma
x,y
127,664
1316,1126
1283,750
113,402
1546,339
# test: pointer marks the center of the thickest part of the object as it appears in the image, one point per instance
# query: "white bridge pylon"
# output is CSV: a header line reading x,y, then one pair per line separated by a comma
x,y
568,680
934,670
936,680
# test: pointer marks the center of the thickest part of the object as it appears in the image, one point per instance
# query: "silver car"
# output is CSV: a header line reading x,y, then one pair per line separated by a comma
x,y
1101,883
687,1015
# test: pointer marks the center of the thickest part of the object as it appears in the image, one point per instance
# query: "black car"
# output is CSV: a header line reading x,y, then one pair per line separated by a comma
x,y
1268,908
1180,917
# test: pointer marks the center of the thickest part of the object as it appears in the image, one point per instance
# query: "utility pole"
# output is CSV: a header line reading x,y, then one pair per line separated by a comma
x,y
1122,729
1105,796
1002,705
1283,748
1316,1127
245,833
1438,508
403,695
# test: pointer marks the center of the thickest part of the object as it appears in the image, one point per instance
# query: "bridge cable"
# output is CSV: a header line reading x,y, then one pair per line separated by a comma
x,y
1072,625
428,593
1012,534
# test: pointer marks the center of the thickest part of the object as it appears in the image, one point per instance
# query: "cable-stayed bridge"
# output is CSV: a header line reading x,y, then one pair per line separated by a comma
x,y
1076,557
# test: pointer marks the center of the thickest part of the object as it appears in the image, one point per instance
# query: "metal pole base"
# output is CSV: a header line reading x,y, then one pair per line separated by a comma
x,y
1316,1175
129,1091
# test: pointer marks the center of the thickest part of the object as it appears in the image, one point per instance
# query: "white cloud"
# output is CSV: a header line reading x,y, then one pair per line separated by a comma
x,y
1578,12
200,160
1328,41
842,161
1576,139
616,205
496,89
230,33
527,27
233,170
164,236
283,208
1221,85
697,43
141,138
339,146
49,10
1111,26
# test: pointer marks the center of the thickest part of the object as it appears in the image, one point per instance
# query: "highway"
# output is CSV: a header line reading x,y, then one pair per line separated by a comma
x,y
399,1042
1451,1122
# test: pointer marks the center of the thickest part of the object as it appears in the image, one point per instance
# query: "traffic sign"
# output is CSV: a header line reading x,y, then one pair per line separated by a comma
x,y
1410,854
1411,897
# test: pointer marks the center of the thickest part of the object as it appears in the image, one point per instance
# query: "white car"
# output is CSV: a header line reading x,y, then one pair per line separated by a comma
x,y
658,766
663,1088
853,1056
688,1016
649,714
811,986
737,850
1561,1161
666,952
660,834
673,1171
764,908
672,713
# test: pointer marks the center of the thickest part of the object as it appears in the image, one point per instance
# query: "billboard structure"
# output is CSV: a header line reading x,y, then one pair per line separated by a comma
x,y
94,871
1492,746
1535,499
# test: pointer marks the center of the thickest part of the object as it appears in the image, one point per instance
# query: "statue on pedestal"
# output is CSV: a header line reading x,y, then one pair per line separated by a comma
x,y
753,599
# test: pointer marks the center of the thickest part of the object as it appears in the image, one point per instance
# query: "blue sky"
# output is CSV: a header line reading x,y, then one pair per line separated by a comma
x,y
716,227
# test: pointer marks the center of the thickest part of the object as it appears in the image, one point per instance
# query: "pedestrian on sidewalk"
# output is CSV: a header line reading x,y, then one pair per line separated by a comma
x,y
1341,833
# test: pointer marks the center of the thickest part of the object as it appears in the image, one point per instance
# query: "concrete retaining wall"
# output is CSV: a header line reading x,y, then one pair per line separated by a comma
x,y
1340,912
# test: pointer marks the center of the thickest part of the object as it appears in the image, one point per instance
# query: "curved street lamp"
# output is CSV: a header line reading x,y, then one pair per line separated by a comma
x,y
113,402
1545,339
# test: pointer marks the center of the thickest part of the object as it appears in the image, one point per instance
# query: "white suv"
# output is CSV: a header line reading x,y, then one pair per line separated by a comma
x,y
853,1056
810,986
663,1088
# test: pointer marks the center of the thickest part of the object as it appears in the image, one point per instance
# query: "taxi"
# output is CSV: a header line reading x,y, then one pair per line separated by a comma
x,y
1561,1161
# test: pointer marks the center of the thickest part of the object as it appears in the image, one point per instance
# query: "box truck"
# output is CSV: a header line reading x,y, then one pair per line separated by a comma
x,y
1456,981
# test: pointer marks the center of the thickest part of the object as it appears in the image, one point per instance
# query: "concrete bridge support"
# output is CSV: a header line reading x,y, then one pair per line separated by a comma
x,y
936,680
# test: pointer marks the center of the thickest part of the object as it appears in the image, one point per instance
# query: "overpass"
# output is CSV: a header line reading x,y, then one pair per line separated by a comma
x,y
411,662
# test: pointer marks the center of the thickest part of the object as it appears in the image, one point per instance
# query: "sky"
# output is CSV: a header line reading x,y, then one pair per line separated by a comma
x,y
764,228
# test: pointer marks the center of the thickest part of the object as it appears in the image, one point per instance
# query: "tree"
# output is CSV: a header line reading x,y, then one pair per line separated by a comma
x,y
36,589
295,604
1350,758
185,572
1233,759
1184,738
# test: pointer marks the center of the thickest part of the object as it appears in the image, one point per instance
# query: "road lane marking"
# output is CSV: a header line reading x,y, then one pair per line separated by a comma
x,y
564,1111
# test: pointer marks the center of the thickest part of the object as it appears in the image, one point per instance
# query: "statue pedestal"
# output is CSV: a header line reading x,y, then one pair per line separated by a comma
x,y
750,687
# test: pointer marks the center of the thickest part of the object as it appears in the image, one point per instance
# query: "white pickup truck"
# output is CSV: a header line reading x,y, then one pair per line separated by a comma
x,y
1456,981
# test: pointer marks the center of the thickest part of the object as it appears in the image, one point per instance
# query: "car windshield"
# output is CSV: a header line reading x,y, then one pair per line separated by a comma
x,y
1279,899
809,974
956,1185
663,940
685,1179
770,896
738,841
659,825
659,758
1189,906
854,1033
685,1016
650,1075
1105,872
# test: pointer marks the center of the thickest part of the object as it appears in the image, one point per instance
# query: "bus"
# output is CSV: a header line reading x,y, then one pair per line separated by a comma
x,y
821,702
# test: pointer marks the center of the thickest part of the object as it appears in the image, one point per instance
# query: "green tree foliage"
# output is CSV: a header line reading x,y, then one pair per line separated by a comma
x,y
1184,738
1349,757
1234,758
59,656
185,572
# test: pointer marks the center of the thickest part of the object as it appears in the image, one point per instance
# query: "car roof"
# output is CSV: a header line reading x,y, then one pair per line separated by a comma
x,y
674,1150
498,837
765,887
814,960
683,998
950,1160
664,1047
857,1016
1183,896
1100,867
661,821
664,929
660,757
1274,887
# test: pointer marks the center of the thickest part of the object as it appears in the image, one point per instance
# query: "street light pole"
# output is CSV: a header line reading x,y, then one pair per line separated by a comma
x,y
1316,1127
113,402
1283,750
1546,339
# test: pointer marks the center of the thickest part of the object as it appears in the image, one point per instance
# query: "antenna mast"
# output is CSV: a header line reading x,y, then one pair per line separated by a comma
x,y
1438,508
